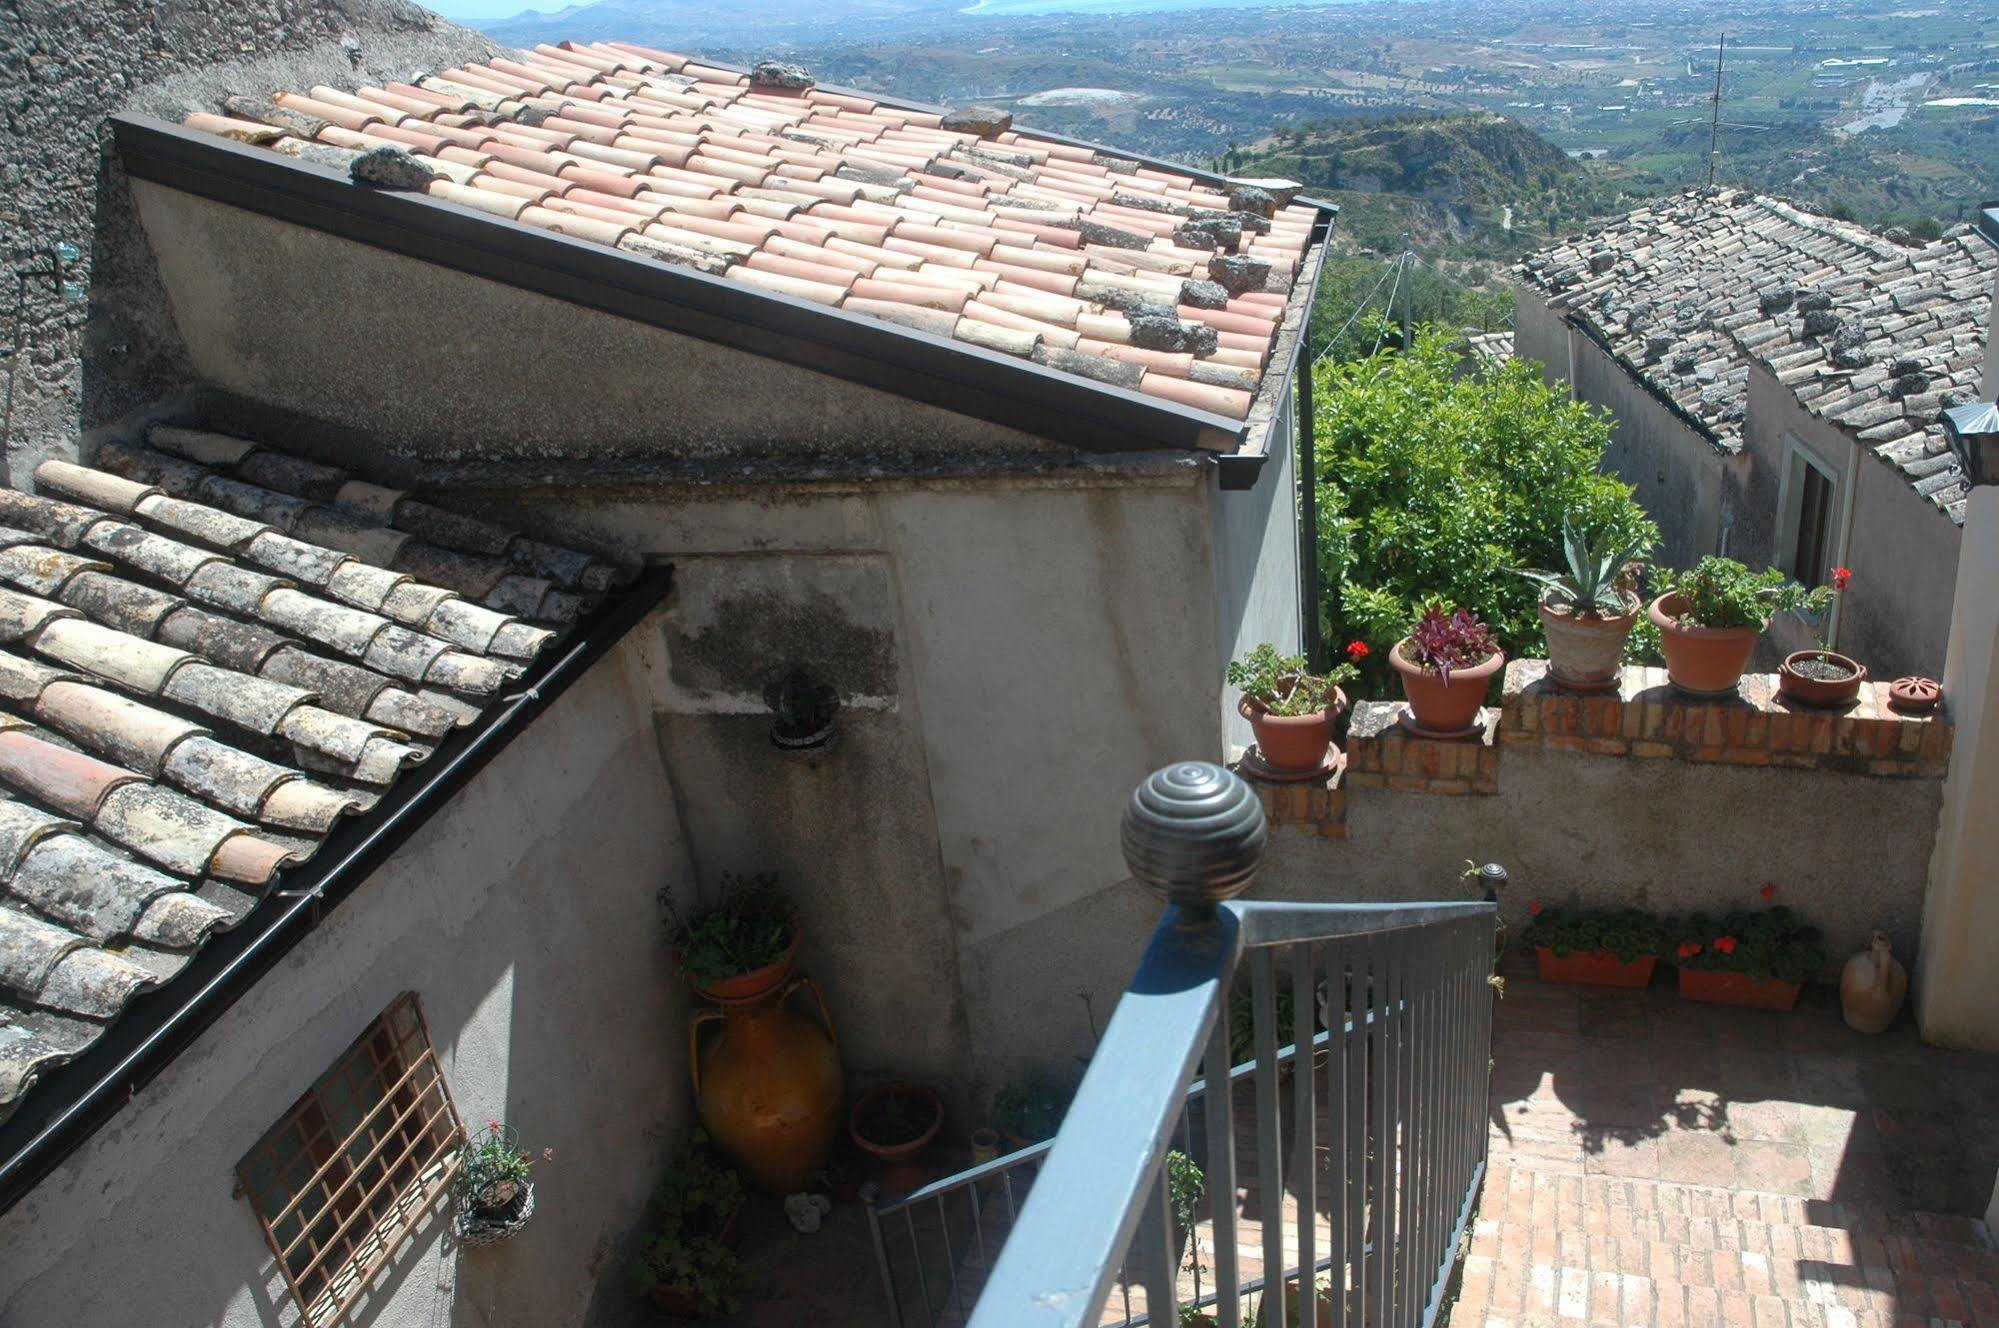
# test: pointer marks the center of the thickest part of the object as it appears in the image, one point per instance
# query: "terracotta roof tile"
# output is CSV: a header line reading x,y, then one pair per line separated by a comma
x,y
191,697
807,195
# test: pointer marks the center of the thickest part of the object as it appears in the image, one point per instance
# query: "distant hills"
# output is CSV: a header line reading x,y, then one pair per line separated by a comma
x,y
762,26
1467,184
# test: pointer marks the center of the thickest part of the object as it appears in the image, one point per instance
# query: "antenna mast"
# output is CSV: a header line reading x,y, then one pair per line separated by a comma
x,y
1714,123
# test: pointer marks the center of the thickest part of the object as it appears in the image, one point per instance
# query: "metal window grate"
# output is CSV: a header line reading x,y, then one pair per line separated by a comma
x,y
356,1164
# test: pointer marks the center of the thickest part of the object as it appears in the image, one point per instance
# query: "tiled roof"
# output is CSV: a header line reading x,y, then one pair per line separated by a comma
x,y
210,653
1688,291
954,223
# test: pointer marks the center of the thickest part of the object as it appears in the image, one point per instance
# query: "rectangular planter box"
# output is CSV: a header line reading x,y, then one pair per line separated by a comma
x,y
1722,988
1601,969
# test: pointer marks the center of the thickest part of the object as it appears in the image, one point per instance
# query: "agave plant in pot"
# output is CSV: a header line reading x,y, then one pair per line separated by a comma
x,y
1290,709
1446,662
1589,610
1823,677
1709,618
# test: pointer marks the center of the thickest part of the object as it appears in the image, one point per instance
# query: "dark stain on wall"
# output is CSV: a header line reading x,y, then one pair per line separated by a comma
x,y
757,636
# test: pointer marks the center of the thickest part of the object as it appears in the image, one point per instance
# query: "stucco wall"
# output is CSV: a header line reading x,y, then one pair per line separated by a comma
x,y
1902,548
1688,486
452,366
524,917
67,64
1256,565
1848,851
1013,656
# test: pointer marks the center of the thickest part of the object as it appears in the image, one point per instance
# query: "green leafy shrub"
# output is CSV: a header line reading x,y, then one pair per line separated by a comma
x,y
749,925
1721,592
1625,933
1772,943
1434,484
1282,684
688,1220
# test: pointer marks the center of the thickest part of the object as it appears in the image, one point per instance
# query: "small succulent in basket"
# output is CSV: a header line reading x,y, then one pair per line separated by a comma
x,y
1625,934
1774,943
493,1180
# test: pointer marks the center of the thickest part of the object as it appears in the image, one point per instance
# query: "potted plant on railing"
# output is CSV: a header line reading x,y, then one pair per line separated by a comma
x,y
495,1194
894,1124
1589,610
1028,1111
1757,959
743,945
688,1265
1606,948
1709,618
1823,677
1290,709
1446,662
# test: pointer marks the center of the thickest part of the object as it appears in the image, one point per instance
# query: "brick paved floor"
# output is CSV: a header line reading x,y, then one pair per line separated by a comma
x,y
1657,1162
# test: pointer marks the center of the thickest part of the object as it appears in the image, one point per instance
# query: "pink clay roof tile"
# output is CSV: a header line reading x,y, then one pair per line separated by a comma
x,y
888,211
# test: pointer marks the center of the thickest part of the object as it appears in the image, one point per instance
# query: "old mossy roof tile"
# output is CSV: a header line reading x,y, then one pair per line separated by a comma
x,y
191,698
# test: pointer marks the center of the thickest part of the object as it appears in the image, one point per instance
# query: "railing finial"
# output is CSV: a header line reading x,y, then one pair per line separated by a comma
x,y
1193,834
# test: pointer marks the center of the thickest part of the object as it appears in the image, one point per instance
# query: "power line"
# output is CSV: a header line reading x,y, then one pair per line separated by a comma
x,y
1393,265
1714,123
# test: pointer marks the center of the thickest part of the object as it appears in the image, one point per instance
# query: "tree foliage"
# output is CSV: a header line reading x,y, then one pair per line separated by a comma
x,y
1435,479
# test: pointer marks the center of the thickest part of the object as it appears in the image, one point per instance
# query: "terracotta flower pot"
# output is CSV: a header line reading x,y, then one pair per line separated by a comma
x,y
1599,969
1587,652
1705,661
754,984
1440,707
903,1171
1828,693
1293,743
1722,987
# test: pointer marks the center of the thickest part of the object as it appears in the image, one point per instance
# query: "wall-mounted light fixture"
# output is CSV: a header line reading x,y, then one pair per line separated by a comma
x,y
803,710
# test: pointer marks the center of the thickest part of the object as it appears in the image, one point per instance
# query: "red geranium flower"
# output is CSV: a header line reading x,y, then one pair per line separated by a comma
x,y
1840,577
1688,950
1534,906
1357,650
1725,944
1768,892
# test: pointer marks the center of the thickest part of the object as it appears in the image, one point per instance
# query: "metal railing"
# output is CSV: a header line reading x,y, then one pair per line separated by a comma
x,y
1366,1178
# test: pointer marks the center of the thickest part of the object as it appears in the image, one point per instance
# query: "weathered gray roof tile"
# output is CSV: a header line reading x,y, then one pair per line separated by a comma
x,y
160,753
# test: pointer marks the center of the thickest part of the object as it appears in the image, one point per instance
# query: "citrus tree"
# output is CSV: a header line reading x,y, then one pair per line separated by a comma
x,y
1437,478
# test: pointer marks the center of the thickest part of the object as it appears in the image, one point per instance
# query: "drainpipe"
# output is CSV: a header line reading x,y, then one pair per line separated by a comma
x,y
1848,500
1310,644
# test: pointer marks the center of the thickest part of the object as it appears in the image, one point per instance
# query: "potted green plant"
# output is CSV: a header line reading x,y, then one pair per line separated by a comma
x,y
1757,959
1445,663
894,1124
688,1265
741,946
1589,610
1605,948
1028,1111
495,1193
1290,709
1823,677
1709,618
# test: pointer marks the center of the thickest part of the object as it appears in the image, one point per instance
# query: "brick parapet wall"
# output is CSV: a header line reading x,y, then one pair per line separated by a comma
x,y
1645,719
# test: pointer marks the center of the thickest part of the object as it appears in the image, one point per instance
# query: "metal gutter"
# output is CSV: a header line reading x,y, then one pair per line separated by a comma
x,y
72,1102
939,371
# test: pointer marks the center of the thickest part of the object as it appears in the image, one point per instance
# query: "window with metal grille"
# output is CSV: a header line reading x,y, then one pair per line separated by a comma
x,y
356,1164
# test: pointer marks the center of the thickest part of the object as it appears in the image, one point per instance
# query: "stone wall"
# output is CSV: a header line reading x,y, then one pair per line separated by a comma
x,y
1639,797
65,65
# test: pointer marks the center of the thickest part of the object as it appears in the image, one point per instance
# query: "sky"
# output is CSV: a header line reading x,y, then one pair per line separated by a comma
x,y
475,12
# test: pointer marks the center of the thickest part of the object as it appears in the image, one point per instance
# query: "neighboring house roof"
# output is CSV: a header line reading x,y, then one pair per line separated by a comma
x,y
211,653
1099,267
1688,292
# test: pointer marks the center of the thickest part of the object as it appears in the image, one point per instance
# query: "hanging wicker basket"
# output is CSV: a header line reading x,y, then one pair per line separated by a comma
x,y
476,1227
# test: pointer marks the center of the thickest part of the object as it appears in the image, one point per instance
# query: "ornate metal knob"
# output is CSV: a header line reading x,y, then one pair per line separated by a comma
x,y
1193,834
1492,877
